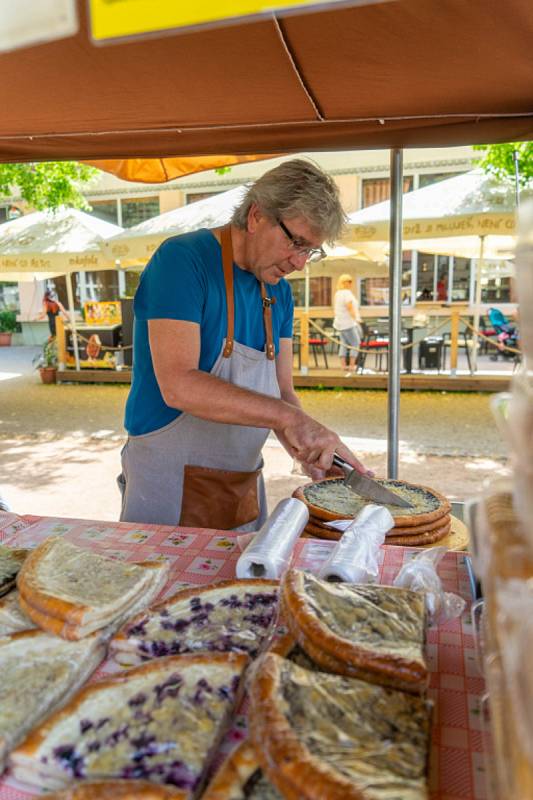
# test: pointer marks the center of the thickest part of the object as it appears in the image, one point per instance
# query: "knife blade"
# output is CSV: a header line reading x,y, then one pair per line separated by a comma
x,y
366,487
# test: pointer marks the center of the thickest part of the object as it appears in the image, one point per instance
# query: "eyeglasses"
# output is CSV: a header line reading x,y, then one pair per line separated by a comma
x,y
311,253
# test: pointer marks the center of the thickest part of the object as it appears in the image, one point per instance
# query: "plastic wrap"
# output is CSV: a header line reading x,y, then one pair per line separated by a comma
x,y
420,575
355,557
269,553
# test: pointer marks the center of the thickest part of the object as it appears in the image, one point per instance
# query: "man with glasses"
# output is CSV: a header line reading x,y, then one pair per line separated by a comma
x,y
212,370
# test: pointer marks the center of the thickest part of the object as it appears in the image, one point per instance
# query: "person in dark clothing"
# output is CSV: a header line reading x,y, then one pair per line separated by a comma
x,y
51,309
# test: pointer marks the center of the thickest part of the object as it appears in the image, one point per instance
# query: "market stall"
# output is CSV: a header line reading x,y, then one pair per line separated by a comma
x,y
198,557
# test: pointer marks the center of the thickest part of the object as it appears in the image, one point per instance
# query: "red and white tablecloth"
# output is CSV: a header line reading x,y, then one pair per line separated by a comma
x,y
199,557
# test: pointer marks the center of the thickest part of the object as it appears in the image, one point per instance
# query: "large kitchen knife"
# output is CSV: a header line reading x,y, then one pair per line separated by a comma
x,y
366,487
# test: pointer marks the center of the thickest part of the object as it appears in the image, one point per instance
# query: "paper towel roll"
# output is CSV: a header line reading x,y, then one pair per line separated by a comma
x,y
354,559
269,553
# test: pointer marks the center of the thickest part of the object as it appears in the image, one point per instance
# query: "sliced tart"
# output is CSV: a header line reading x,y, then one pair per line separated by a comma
x,y
117,790
323,736
10,563
241,777
12,617
235,615
370,631
39,672
158,722
72,592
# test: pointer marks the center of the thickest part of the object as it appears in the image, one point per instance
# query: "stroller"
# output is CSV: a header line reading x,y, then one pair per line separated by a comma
x,y
506,333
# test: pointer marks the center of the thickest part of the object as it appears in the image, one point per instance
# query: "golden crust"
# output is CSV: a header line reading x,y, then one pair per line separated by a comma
x,y
118,790
286,761
404,520
412,530
420,539
230,779
331,652
70,612
185,594
32,743
50,624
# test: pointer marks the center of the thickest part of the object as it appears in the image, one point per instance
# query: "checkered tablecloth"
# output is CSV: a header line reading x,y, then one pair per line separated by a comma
x,y
199,557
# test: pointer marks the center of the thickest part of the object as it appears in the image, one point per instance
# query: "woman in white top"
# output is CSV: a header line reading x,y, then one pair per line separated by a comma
x,y
346,322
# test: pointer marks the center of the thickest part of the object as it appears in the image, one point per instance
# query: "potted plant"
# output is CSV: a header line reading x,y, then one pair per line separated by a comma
x,y
8,326
46,362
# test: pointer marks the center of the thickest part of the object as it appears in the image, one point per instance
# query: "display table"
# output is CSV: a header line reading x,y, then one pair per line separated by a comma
x,y
199,557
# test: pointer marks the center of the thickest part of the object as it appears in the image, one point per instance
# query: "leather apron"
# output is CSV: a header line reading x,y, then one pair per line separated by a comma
x,y
198,473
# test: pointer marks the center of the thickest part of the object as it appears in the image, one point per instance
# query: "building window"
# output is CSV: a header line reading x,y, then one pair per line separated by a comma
x,y
319,291
376,190
496,290
461,280
375,291
138,210
106,210
194,197
428,180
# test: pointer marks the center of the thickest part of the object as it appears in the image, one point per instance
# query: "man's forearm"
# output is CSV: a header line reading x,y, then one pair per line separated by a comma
x,y
209,397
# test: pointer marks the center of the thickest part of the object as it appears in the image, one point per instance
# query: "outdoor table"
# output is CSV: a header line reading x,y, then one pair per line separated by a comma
x,y
200,556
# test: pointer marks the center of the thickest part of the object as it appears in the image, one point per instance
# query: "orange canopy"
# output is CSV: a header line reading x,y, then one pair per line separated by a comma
x,y
160,170
400,73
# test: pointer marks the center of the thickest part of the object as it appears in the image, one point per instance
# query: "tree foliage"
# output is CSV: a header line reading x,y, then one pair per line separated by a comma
x,y
498,160
46,185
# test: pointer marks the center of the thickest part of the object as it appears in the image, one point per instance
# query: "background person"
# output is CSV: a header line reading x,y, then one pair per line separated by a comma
x,y
212,367
347,322
51,309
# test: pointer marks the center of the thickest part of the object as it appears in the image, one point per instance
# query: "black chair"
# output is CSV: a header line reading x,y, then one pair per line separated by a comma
x,y
430,353
318,345
464,343
375,343
296,349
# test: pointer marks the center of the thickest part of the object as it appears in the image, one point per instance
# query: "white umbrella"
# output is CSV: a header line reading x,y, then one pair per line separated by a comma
x,y
51,243
135,246
471,215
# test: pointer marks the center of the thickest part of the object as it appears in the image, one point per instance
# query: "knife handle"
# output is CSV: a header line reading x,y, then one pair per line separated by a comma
x,y
340,462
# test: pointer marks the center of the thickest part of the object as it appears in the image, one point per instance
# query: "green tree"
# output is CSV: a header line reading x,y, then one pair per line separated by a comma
x,y
498,160
48,184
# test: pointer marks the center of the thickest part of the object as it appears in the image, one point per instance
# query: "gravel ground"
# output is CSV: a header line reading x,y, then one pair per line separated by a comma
x,y
59,445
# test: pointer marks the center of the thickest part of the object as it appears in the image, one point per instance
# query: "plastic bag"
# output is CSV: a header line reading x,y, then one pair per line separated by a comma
x,y
354,559
420,575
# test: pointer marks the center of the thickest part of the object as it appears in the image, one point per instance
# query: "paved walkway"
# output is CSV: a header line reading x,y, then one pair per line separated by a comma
x,y
60,445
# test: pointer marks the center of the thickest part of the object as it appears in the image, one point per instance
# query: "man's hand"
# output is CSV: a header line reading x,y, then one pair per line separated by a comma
x,y
314,445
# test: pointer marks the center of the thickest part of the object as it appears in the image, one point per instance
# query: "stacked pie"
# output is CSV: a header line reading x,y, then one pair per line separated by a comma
x,y
426,522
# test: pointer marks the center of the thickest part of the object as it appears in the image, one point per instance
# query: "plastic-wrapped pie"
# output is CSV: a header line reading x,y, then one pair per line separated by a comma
x,y
369,631
323,736
10,564
230,616
117,790
330,499
158,722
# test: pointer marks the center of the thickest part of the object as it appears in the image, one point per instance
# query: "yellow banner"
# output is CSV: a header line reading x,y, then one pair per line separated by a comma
x,y
464,225
114,19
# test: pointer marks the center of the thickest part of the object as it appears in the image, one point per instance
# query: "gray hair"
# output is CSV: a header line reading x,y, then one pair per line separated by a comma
x,y
296,188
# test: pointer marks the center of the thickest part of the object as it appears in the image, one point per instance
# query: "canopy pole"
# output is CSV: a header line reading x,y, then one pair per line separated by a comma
x,y
395,310
477,308
70,295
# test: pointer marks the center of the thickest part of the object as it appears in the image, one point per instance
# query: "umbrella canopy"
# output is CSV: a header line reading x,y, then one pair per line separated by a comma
x,y
54,243
386,74
161,170
134,246
447,217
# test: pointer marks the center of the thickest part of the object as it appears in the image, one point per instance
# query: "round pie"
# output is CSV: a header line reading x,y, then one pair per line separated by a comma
x,y
330,499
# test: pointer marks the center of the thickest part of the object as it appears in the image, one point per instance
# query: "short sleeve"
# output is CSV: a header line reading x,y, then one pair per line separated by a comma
x,y
286,327
172,286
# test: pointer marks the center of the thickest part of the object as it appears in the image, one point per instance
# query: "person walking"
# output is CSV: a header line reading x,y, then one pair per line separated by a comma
x,y
347,322
51,309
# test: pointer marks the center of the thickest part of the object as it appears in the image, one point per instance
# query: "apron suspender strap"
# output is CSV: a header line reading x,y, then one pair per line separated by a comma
x,y
227,263
268,302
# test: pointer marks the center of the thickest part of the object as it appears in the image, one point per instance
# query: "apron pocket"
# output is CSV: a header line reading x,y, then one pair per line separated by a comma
x,y
218,498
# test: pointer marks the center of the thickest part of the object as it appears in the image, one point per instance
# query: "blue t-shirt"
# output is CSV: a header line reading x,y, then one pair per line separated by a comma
x,y
184,280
